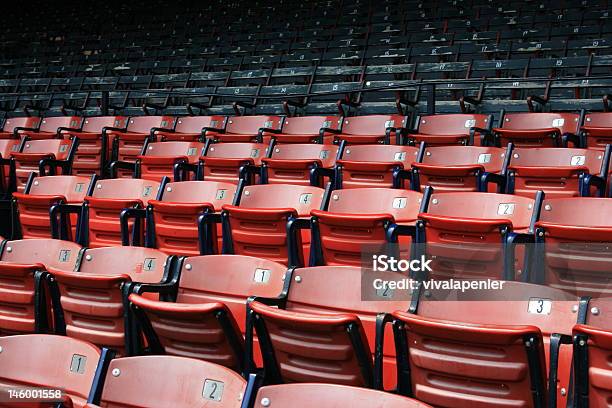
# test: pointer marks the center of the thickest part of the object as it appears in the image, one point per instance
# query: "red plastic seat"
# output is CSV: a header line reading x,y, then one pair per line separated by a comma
x,y
372,129
577,233
101,214
456,168
223,161
451,129
307,129
330,395
59,154
359,218
144,382
260,225
127,145
20,280
536,129
248,129
592,353
93,294
597,130
193,128
552,310
34,203
49,128
207,319
467,232
325,331
373,165
50,362
89,159
157,160
558,172
175,215
294,163
7,147
20,124
454,364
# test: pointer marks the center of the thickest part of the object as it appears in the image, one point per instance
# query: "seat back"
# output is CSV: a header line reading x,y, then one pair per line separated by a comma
x,y
160,157
175,217
258,226
144,124
592,353
292,163
223,160
207,302
356,220
104,206
373,165
305,129
19,262
45,192
250,125
464,231
574,229
457,168
95,124
51,124
27,161
24,121
371,128
7,147
537,129
320,395
450,129
49,361
502,363
195,124
94,297
143,381
597,130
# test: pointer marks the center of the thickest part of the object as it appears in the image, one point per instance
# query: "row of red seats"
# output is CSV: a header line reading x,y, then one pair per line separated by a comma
x,y
105,139
508,346
90,377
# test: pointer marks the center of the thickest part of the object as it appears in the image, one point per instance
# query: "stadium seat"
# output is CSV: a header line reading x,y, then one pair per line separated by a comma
x,y
373,165
207,319
321,333
536,129
23,284
89,158
596,132
559,172
173,219
592,348
470,233
100,215
50,362
373,129
270,222
56,155
357,219
330,396
143,382
127,144
230,162
451,129
93,294
453,364
40,194
552,310
12,127
52,127
7,147
248,129
457,168
573,230
309,129
299,164
158,159
193,128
